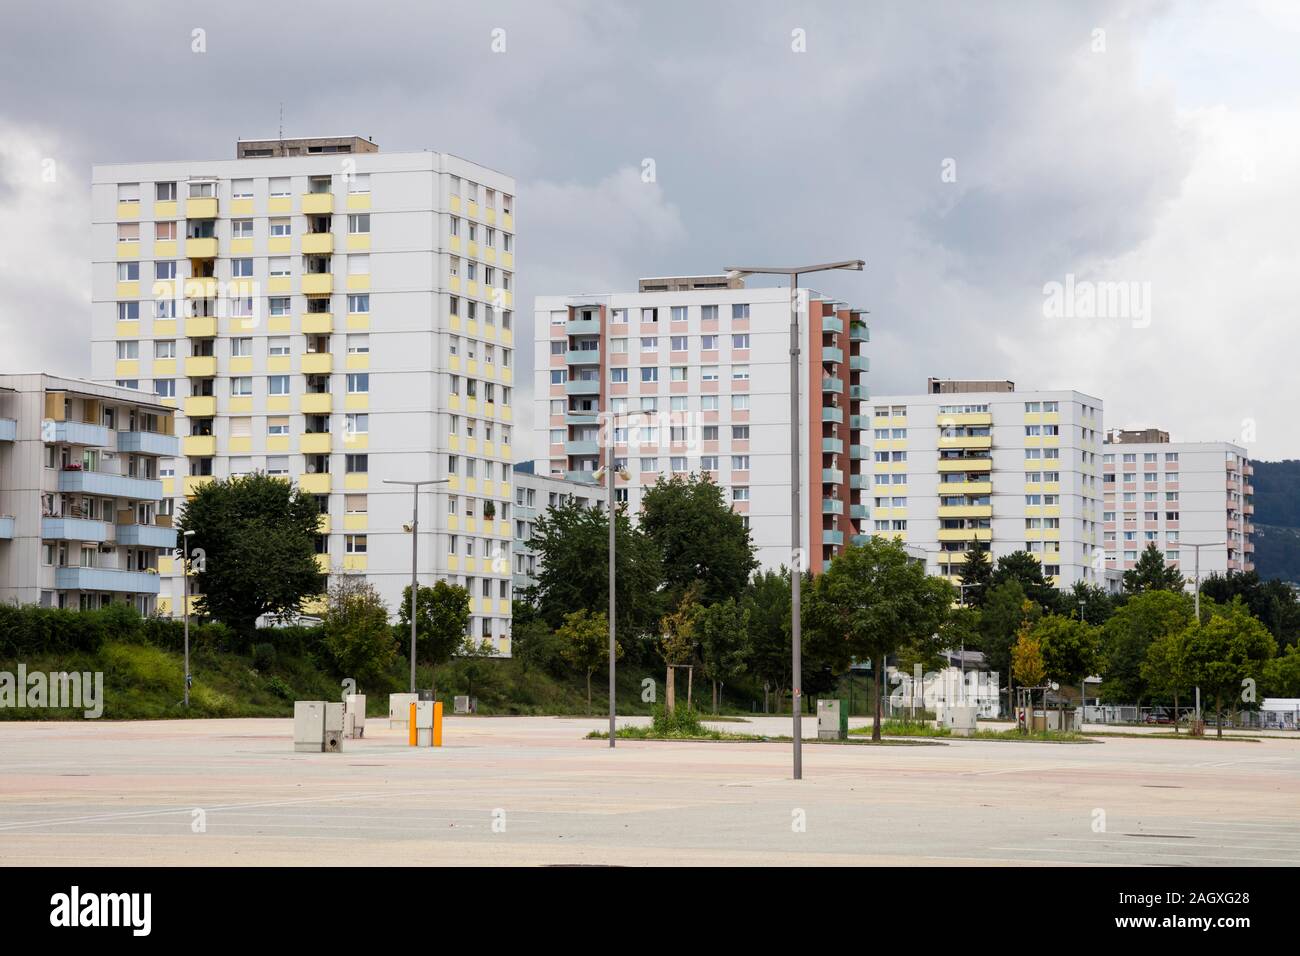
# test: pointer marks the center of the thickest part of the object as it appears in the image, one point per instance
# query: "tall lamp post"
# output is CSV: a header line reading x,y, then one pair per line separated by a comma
x,y
1196,602
608,473
185,599
415,529
796,637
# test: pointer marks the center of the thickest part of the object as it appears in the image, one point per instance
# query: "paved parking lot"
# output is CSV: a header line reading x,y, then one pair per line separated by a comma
x,y
531,790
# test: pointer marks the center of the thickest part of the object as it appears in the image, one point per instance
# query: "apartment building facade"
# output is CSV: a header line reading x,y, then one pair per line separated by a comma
x,y
1174,495
336,315
81,522
691,375
534,494
979,464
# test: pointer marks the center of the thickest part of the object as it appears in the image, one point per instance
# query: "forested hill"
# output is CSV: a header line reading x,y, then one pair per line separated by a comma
x,y
1277,519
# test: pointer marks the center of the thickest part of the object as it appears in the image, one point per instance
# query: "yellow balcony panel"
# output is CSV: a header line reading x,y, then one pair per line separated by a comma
x,y
166,565
317,403
1051,534
317,363
453,562
358,321
162,211
241,365
314,204
279,403
357,402
323,562
323,524
201,366
359,283
507,222
453,521
277,205
1052,511
355,562
508,260
453,283
965,511
356,522
277,442
128,330
318,284
315,443
205,248
965,441
279,323
507,336
165,249
473,249
962,488
200,406
128,250
472,209
965,464
279,284
241,247
358,202
453,483
164,328
239,444
471,366
506,415
355,441
164,368
241,207
359,242
318,243
199,446
194,482
471,524
966,418
169,487
1033,418
489,254
279,363
315,483
453,243
356,481
127,368
201,287
128,210
965,534
492,216
471,287
201,208
358,361
128,290
317,323
279,244
240,404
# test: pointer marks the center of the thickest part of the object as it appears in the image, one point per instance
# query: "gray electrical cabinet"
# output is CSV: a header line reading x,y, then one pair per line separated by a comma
x,y
832,720
309,726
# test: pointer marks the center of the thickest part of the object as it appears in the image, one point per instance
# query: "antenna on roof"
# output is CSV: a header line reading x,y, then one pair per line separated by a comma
x,y
282,124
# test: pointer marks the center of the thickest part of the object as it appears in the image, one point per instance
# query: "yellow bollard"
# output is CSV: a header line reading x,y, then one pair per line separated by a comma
x,y
410,727
437,723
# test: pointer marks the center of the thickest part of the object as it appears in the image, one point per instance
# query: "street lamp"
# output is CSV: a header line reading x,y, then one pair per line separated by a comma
x,y
415,528
796,638
1196,603
607,473
185,599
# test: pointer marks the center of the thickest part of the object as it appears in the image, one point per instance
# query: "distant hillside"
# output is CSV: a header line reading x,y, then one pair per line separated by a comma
x,y
1277,519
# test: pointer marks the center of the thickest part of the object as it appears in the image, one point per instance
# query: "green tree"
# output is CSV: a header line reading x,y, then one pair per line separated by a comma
x,y
255,537
441,622
1226,652
677,643
976,576
1026,570
721,629
1088,602
1028,668
534,644
1070,648
586,644
874,599
1005,610
1273,602
572,546
1128,633
356,634
1165,668
767,602
1283,674
474,663
700,538
1152,573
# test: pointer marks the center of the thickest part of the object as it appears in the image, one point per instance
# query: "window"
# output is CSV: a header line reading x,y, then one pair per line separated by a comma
x,y
649,343
277,346
709,313
708,373
164,387
241,229
708,343
128,272
649,315
740,493
679,313
740,403
679,343
358,382
354,543
649,374
356,464
277,426
164,269
164,192
241,189
128,350
281,305
359,223
280,186
740,463
358,344
241,385
164,349
740,310
358,183
740,433
241,268
281,227
128,232
358,304
617,375
358,265
277,385
202,189
740,373
740,341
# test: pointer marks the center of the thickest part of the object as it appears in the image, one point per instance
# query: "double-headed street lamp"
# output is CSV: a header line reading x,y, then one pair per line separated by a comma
x,y
415,528
796,639
185,599
607,473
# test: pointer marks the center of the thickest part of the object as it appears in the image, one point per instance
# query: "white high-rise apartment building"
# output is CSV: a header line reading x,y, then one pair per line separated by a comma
x,y
534,494
694,375
80,525
973,463
323,311
1174,495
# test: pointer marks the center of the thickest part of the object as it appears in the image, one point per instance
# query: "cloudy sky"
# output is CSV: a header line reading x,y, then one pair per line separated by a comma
x,y
972,153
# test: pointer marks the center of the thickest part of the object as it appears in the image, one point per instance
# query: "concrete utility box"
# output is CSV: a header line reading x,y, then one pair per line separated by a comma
x,y
424,723
308,726
354,715
466,705
832,720
333,741
399,709
960,720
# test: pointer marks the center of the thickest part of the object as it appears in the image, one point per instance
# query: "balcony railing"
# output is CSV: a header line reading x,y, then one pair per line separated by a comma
x,y
148,443
116,486
106,579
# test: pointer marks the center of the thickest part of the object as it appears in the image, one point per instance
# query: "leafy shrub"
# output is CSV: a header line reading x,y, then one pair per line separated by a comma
x,y
279,688
679,722
264,656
